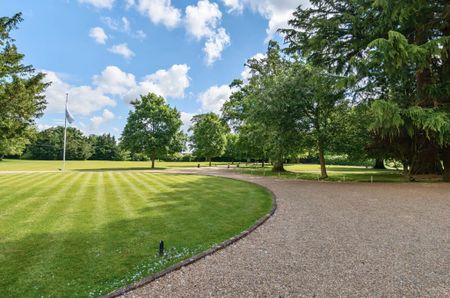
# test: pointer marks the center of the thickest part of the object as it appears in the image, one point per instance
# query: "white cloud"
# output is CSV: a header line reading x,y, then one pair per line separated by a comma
x,y
215,45
202,21
99,3
98,34
277,12
186,119
83,100
113,80
234,5
106,116
140,35
167,83
159,12
213,98
246,73
122,50
43,126
129,3
121,25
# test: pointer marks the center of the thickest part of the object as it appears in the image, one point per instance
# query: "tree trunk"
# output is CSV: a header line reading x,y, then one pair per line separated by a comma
x,y
323,168
278,166
379,164
446,161
209,160
262,165
427,161
405,168
153,158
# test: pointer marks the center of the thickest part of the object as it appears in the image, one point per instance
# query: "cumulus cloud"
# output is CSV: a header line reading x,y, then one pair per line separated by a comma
x,y
106,116
113,80
83,100
277,12
121,25
202,21
98,34
213,98
99,3
215,45
43,126
186,119
122,50
159,12
234,5
165,82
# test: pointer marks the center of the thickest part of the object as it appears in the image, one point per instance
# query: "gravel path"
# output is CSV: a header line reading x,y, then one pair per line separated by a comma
x,y
328,240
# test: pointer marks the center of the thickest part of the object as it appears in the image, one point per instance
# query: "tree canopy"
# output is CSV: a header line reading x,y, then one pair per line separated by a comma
x,y
152,128
21,98
208,137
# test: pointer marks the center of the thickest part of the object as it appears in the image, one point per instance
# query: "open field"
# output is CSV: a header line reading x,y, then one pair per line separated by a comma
x,y
335,173
72,165
87,233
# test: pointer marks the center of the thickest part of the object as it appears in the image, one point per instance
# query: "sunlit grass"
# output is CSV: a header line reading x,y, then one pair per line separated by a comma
x,y
335,173
88,233
55,165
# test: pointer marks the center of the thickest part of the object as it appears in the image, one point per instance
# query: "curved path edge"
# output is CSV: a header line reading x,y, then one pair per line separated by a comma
x,y
122,291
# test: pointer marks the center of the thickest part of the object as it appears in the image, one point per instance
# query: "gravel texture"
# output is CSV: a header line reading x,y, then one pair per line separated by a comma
x,y
329,239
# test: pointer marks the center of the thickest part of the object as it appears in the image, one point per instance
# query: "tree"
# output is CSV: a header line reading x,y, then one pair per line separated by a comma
x,y
208,136
393,51
104,147
266,106
21,88
49,145
151,128
319,107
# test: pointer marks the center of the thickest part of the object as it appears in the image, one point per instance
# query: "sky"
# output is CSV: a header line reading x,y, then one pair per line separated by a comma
x,y
105,53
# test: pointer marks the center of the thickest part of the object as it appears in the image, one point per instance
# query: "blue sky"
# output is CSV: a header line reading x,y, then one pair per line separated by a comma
x,y
104,53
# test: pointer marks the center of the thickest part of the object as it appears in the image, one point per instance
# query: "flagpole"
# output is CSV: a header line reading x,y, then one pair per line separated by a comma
x,y
65,133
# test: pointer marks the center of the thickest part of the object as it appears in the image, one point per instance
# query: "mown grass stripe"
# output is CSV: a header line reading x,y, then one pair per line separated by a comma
x,y
47,208
30,196
120,196
60,227
19,183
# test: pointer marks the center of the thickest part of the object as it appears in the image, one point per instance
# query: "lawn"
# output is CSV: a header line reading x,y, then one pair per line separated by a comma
x,y
88,233
55,165
335,173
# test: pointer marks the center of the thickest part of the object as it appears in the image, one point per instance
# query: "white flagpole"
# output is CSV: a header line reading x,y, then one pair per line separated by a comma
x,y
65,133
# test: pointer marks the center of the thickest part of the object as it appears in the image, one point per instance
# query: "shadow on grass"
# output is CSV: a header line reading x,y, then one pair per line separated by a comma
x,y
91,260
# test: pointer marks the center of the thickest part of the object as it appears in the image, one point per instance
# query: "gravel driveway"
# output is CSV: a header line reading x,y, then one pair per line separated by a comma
x,y
328,240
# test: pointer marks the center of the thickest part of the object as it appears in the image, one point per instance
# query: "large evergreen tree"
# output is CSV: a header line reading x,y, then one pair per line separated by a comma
x,y
21,98
394,51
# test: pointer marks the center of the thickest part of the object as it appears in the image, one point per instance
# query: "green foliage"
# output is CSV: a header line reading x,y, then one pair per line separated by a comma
x,y
153,128
104,147
21,88
49,145
395,52
209,135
